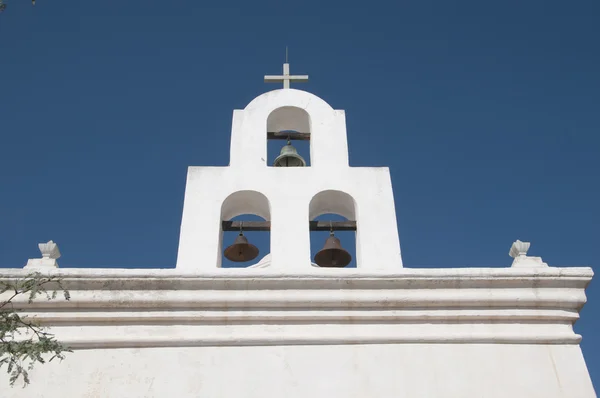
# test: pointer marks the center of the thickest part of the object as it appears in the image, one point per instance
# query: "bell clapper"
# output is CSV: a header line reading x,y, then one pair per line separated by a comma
x,y
240,251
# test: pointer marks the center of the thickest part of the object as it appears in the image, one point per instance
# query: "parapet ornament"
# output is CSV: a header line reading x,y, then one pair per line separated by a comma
x,y
518,251
50,254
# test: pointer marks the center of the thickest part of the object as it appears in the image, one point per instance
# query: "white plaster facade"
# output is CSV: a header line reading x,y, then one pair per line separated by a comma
x,y
286,328
254,333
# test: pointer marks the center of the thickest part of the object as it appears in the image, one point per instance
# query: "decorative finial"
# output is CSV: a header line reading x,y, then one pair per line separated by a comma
x,y
519,248
49,252
286,78
518,251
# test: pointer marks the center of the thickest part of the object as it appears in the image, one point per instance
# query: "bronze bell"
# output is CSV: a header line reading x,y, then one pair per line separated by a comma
x,y
332,254
289,157
241,250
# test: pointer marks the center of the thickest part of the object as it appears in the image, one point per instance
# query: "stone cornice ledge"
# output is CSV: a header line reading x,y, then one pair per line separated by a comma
x,y
583,274
146,308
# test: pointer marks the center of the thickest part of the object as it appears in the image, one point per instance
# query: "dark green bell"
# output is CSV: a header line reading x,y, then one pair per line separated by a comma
x,y
289,157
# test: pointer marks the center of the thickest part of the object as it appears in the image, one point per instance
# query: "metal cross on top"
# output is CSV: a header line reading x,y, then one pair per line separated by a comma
x,y
286,78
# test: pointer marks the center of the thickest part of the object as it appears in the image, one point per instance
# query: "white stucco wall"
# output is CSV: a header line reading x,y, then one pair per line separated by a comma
x,y
476,332
289,191
354,371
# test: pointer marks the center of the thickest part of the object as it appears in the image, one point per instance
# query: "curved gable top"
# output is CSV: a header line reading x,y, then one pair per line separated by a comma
x,y
289,109
287,97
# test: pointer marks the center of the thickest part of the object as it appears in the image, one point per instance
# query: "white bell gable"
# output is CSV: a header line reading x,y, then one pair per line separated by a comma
x,y
289,197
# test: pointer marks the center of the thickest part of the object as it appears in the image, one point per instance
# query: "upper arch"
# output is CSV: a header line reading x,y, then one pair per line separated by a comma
x,y
246,202
288,118
327,128
332,201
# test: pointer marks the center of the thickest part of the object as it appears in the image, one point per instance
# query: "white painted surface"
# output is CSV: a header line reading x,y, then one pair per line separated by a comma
x,y
261,332
355,371
289,193
262,306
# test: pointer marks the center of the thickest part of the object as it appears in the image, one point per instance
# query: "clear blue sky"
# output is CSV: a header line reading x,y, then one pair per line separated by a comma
x,y
487,115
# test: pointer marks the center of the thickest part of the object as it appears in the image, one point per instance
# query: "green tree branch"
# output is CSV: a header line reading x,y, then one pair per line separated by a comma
x,y
23,343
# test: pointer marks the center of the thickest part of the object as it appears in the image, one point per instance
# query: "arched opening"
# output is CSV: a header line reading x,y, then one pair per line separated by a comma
x,y
338,210
239,212
288,124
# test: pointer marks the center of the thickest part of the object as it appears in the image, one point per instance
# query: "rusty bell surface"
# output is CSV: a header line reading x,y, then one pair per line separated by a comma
x,y
241,251
332,254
